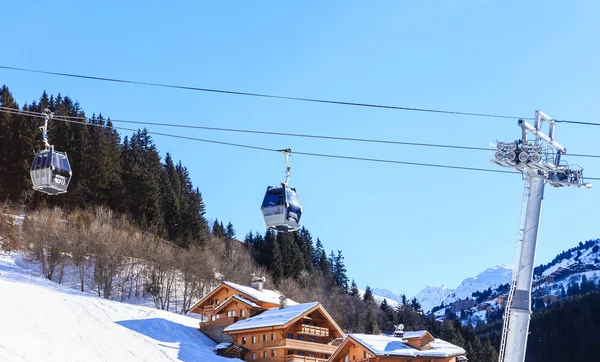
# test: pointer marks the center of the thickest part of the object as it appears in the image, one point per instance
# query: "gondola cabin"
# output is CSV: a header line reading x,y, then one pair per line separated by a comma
x,y
281,208
50,172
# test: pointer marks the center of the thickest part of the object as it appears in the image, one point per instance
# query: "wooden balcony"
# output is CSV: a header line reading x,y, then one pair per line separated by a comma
x,y
209,308
296,358
312,330
219,322
300,345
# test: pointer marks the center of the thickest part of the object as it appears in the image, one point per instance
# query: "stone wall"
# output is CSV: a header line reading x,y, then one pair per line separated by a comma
x,y
216,334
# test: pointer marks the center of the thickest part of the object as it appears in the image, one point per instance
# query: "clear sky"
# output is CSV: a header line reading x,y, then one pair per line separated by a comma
x,y
400,227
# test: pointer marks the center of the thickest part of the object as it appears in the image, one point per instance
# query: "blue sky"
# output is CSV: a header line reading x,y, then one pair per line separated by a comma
x,y
400,227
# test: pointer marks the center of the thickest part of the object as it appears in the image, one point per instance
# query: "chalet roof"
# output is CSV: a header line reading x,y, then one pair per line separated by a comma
x,y
414,334
266,295
273,317
393,346
237,297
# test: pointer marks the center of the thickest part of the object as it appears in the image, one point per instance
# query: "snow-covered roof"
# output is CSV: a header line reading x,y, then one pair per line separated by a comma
x,y
266,295
273,317
241,299
393,346
414,334
223,345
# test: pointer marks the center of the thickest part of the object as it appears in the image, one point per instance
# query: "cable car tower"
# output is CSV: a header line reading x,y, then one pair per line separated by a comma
x,y
538,157
50,171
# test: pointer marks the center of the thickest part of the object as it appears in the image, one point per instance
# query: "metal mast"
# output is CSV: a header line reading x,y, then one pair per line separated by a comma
x,y
537,156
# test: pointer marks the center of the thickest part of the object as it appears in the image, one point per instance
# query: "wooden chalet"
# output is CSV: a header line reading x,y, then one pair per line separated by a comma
x,y
302,332
230,302
418,346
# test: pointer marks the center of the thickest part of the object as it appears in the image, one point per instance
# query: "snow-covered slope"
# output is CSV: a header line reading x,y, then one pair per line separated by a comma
x,y
433,296
43,321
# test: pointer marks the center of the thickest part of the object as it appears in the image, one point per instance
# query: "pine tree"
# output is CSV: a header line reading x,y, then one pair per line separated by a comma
x,y
339,271
354,292
230,231
319,250
368,296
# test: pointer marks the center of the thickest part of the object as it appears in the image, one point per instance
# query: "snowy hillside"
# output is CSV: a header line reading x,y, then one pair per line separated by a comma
x,y
434,296
44,321
384,293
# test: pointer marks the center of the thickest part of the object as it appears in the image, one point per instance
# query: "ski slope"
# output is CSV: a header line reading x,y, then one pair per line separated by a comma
x,y
44,321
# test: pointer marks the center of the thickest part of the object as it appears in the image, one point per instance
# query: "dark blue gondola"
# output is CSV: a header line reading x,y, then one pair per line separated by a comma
x,y
281,206
50,171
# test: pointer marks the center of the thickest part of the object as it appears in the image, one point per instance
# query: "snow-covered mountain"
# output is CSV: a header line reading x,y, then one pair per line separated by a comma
x,y
44,321
490,278
384,293
379,298
434,296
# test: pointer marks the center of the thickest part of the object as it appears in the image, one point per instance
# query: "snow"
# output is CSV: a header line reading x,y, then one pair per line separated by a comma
x,y
272,317
433,296
379,299
490,278
266,295
45,321
393,346
241,299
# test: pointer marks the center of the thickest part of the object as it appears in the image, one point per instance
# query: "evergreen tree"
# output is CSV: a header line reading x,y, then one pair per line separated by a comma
x,y
339,271
230,231
354,292
368,296
319,250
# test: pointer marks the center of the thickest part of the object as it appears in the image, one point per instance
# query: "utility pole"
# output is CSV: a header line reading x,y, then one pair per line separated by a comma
x,y
537,156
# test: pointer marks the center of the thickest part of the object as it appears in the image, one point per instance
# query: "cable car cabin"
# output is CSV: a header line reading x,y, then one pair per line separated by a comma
x,y
51,172
281,208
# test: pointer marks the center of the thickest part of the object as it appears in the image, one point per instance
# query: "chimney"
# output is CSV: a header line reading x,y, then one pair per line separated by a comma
x,y
399,332
283,302
257,283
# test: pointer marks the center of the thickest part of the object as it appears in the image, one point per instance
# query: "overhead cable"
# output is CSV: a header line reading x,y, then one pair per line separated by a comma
x,y
337,138
265,95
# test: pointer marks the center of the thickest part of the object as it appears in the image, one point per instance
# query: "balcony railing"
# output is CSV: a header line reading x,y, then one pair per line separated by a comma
x,y
219,322
296,358
312,330
301,345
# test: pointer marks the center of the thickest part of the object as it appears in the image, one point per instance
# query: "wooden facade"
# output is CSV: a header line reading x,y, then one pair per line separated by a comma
x,y
308,338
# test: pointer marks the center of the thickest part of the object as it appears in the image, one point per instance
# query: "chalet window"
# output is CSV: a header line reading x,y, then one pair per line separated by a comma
x,y
300,353
311,355
254,356
272,353
346,359
311,339
272,336
243,312
300,338
290,336
216,301
253,339
243,340
264,338
213,318
265,354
